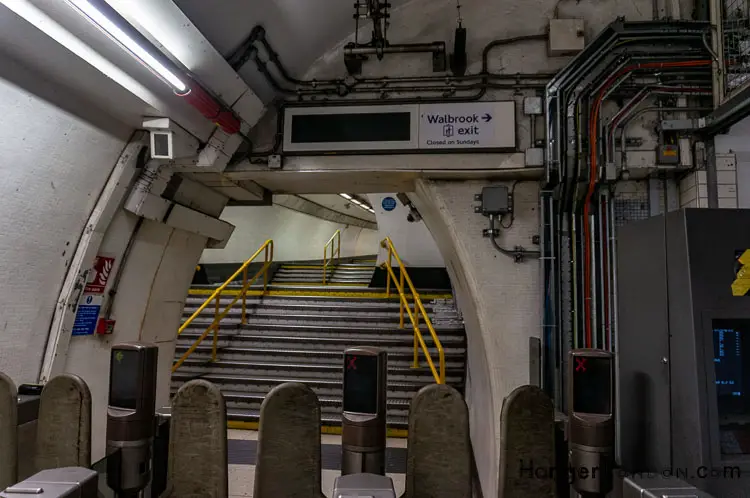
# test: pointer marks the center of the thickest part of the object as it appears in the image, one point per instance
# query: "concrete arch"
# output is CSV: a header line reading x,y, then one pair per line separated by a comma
x,y
497,297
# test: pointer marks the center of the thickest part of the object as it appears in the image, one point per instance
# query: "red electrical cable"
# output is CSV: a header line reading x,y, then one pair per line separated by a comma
x,y
211,109
605,269
593,129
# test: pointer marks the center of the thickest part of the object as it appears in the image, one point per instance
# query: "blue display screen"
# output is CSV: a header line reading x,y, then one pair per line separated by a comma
x,y
728,361
731,339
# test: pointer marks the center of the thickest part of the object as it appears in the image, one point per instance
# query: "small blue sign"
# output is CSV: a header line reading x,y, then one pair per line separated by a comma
x,y
86,317
389,203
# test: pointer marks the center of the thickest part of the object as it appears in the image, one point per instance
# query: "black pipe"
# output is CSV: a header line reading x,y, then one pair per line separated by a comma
x,y
506,41
405,100
406,48
341,87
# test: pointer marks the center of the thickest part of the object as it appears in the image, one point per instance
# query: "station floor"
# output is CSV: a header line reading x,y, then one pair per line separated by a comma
x,y
242,450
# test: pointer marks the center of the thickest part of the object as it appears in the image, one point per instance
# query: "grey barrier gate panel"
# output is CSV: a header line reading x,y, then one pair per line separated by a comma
x,y
8,432
198,443
288,462
527,445
439,448
63,434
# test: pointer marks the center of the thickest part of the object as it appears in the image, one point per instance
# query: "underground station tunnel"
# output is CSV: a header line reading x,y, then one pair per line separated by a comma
x,y
421,249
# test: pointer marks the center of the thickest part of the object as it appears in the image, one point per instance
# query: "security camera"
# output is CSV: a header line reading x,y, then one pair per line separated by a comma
x,y
168,140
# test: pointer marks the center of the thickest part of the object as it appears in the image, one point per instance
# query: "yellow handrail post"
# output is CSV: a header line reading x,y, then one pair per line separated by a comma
x,y
390,270
335,243
325,262
244,296
216,296
215,326
415,363
338,250
401,323
401,284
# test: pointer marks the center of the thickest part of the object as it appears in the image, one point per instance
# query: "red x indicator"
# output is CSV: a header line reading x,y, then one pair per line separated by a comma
x,y
352,365
580,364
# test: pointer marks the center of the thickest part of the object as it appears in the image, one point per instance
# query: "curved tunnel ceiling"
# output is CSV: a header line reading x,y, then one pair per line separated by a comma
x,y
300,30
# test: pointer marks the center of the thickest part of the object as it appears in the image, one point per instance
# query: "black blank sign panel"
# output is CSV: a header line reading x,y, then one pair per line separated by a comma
x,y
123,379
592,385
343,128
361,384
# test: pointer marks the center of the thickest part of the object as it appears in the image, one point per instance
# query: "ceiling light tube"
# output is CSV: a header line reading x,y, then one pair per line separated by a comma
x,y
96,17
346,196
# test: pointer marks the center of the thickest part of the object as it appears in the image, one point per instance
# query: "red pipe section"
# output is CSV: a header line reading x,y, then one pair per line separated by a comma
x,y
211,109
605,272
593,130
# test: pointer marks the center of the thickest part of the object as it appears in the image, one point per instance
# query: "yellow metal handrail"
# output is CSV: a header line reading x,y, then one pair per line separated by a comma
x,y
335,252
267,249
414,317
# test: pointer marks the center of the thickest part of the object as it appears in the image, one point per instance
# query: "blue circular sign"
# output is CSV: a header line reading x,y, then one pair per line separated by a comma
x,y
389,203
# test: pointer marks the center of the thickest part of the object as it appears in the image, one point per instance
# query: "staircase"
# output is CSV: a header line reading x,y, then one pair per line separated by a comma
x,y
356,274
298,332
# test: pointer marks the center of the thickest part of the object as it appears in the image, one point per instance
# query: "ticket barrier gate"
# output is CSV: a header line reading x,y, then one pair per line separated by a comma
x,y
364,413
363,485
66,482
591,381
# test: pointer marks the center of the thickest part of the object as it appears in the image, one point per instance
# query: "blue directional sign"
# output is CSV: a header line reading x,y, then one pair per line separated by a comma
x,y
389,203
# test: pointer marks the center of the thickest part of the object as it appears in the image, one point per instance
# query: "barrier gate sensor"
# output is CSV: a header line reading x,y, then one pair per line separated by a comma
x,y
591,419
130,417
363,418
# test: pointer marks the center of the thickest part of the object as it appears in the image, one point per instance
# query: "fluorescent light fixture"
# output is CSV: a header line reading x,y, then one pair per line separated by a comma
x,y
48,26
110,28
359,203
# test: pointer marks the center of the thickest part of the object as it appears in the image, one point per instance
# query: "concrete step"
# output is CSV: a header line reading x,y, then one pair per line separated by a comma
x,y
311,287
317,280
330,302
329,267
329,271
320,330
453,350
397,356
333,316
200,366
264,383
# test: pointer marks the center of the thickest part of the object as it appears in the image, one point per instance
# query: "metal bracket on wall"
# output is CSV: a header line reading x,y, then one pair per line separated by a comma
x,y
486,232
679,124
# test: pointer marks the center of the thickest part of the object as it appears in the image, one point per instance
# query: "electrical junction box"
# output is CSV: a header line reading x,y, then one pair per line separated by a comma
x,y
495,200
668,154
532,106
566,36
534,157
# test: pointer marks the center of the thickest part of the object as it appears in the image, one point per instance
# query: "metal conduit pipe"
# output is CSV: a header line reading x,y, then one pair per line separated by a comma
x,y
406,48
590,57
504,42
558,95
341,87
556,143
594,168
611,124
629,119
614,123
